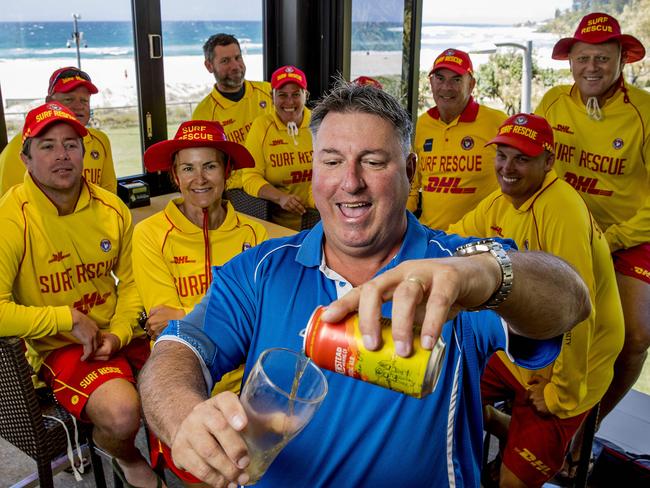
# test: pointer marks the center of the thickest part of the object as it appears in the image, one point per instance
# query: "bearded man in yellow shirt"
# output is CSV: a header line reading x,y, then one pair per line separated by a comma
x,y
63,244
72,88
233,102
602,148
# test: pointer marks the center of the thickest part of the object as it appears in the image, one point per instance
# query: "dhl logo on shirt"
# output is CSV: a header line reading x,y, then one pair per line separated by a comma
x,y
497,229
563,128
290,158
586,185
182,260
58,257
278,142
444,184
90,300
298,177
227,122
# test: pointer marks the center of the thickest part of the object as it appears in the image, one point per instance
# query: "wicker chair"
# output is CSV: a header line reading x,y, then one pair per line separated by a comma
x,y
309,219
245,203
22,416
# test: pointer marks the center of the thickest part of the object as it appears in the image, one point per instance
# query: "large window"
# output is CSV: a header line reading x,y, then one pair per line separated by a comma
x,y
38,37
185,28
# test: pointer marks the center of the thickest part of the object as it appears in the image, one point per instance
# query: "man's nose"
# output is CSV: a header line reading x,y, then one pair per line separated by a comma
x,y
353,178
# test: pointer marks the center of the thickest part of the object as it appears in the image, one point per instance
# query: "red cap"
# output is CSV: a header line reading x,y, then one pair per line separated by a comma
x,y
288,74
454,59
196,133
366,80
529,133
47,114
67,79
596,28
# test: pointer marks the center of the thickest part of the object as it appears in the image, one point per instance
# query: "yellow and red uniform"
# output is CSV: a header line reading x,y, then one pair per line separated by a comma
x,y
49,263
171,268
281,160
236,117
607,161
98,162
454,170
169,259
556,220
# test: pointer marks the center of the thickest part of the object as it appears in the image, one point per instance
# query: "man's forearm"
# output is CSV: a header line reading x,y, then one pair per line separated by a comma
x,y
548,296
171,385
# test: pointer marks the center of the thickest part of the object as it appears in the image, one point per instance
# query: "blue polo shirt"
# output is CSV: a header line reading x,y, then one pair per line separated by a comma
x,y
363,435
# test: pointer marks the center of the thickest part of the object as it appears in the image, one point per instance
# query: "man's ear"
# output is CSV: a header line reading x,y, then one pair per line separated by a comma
x,y
25,159
208,66
411,164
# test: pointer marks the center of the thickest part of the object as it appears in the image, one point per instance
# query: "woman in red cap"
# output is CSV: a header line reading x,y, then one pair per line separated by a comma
x,y
174,249
281,146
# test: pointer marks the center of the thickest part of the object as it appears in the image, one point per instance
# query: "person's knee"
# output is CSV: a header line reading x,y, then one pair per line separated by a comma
x,y
637,336
116,411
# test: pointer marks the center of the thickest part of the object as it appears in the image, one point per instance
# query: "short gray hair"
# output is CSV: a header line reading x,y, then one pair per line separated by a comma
x,y
347,97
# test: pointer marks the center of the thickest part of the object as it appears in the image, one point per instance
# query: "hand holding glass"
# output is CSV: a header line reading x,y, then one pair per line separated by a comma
x,y
281,395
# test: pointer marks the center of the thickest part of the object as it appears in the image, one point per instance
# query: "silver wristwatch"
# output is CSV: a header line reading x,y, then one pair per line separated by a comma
x,y
496,249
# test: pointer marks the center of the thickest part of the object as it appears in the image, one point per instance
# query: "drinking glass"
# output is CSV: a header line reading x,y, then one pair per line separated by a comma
x,y
281,395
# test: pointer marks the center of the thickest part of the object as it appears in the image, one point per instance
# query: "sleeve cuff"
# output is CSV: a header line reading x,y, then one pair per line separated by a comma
x,y
532,353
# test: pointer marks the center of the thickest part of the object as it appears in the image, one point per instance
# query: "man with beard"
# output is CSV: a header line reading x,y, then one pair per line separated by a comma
x,y
233,102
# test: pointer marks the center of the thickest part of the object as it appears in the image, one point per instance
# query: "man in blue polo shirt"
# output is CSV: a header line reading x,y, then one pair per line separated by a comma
x,y
363,435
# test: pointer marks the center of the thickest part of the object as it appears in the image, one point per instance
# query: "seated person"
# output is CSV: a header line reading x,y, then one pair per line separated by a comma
x,y
71,88
362,435
175,249
64,242
544,213
281,146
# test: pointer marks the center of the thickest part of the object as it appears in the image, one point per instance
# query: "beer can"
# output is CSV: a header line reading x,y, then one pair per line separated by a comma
x,y
338,347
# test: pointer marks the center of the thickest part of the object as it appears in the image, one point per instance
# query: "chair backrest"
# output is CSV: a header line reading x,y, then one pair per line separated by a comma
x,y
21,422
245,203
309,219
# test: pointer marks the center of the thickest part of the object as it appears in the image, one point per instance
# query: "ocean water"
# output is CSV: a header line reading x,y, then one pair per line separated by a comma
x,y
184,38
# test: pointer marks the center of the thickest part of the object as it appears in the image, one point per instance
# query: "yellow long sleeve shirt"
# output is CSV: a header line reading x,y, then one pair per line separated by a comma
x,y
556,220
607,161
169,254
281,160
455,170
49,263
170,265
236,117
98,162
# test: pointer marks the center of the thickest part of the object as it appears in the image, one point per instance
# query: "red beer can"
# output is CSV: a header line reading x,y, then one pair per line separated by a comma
x,y
339,347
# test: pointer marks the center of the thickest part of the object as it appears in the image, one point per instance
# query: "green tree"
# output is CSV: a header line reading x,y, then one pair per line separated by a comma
x,y
500,79
635,20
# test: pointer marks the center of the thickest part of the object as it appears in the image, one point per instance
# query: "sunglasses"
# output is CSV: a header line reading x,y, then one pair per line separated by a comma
x,y
67,73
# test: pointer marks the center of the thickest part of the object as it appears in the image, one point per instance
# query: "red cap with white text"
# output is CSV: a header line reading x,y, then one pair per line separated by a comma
x,y
454,59
529,133
43,116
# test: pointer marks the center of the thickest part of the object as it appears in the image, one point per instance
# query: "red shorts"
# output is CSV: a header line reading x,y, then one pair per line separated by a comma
x,y
536,444
74,380
634,262
161,456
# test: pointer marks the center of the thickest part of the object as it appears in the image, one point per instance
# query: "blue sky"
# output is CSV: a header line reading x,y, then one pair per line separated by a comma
x,y
457,11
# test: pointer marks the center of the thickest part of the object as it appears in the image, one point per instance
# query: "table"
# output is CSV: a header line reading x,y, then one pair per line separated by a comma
x,y
160,202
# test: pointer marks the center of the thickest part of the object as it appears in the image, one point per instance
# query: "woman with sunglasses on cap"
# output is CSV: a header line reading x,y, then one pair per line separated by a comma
x,y
174,249
282,148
